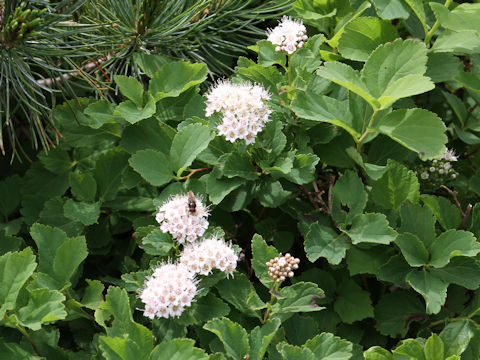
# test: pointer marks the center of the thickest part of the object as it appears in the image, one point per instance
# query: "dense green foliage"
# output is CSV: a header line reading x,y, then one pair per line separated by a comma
x,y
350,175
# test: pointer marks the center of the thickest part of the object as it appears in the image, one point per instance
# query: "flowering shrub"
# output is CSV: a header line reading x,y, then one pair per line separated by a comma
x,y
156,228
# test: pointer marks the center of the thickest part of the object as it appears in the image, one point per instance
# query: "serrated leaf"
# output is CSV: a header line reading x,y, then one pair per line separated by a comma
x,y
147,134
218,189
303,170
53,214
84,186
395,312
410,349
458,42
133,113
260,338
153,166
93,294
397,185
233,337
15,269
48,240
322,241
178,349
413,249
462,17
68,257
350,193
240,293
262,253
84,212
176,77
434,348
353,303
461,271
367,261
108,173
116,348
419,221
446,213
291,352
56,160
419,10
43,306
456,336
430,286
326,346
239,165
450,244
190,141
267,55
299,297
391,9
362,36
417,129
370,228
442,67
130,88
377,353
157,243
100,113
395,270
272,194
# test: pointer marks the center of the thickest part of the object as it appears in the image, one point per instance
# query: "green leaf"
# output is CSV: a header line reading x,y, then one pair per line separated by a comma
x,y
239,165
418,9
303,170
100,113
133,113
130,88
233,337
48,240
394,270
350,193
395,312
363,35
291,352
462,17
157,243
147,134
419,221
241,294
344,75
267,55
190,141
84,212
397,185
413,249
446,213
108,173
299,297
53,214
434,348
461,271
116,348
409,349
370,228
93,294
262,253
377,353
456,336
260,338
353,303
322,241
391,9
326,346
9,195
218,189
150,63
176,77
15,269
84,186
461,42
442,67
430,286
417,129
153,166
271,194
368,260
450,244
56,160
43,306
68,257
178,349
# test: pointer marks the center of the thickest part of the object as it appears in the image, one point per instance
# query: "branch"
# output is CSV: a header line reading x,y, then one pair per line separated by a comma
x,y
193,172
463,214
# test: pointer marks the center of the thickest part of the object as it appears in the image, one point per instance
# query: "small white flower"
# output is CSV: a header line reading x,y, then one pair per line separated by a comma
x,y
449,155
424,175
202,257
176,218
289,35
170,289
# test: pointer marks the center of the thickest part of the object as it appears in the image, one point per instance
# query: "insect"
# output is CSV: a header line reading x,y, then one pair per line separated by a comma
x,y
192,203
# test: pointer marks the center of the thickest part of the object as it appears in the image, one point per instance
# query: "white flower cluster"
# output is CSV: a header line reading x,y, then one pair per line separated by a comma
x,y
289,35
282,267
168,291
182,221
202,257
439,171
243,108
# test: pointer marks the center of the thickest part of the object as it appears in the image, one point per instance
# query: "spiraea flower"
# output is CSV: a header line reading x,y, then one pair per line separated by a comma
x,y
289,35
202,257
243,108
170,289
439,171
281,267
182,219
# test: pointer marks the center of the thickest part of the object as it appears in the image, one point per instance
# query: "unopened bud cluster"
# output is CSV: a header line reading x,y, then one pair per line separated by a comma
x,y
281,267
182,221
168,291
289,35
243,108
202,257
20,24
439,171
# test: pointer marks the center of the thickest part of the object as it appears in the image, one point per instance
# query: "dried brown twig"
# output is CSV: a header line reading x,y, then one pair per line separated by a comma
x,y
464,214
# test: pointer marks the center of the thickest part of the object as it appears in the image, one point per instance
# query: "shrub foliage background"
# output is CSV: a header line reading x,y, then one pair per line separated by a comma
x,y
389,256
